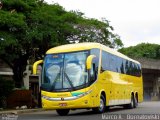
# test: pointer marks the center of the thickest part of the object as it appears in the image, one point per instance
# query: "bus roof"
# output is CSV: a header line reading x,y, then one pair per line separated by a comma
x,y
86,46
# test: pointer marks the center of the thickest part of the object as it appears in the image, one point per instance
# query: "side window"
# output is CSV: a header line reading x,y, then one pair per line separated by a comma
x,y
112,63
119,65
122,67
138,70
134,70
130,68
96,53
95,62
127,67
105,61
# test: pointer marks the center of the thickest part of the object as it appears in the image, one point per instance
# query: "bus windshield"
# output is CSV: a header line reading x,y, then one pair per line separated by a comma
x,y
65,72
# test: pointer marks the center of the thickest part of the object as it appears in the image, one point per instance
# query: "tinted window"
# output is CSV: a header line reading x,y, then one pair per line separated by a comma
x,y
96,53
138,70
117,64
105,61
122,67
95,60
111,62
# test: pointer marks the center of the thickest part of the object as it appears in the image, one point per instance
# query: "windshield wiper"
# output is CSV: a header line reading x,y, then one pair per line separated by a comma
x,y
54,83
69,80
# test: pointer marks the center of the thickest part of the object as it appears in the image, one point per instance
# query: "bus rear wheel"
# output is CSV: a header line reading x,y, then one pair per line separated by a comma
x,y
135,102
131,104
102,106
62,112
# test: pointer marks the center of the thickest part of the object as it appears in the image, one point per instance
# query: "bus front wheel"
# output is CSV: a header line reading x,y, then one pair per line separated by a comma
x,y
102,105
62,112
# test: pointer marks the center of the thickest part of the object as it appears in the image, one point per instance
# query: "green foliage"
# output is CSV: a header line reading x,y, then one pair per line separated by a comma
x,y
92,30
145,50
28,28
19,5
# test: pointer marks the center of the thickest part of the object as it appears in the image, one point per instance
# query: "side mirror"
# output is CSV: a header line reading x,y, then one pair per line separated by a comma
x,y
89,61
35,66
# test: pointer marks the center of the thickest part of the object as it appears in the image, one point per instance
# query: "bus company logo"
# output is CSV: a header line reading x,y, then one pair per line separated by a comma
x,y
62,99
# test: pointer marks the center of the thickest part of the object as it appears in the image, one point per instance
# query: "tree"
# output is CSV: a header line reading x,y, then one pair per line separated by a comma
x,y
28,28
145,50
92,30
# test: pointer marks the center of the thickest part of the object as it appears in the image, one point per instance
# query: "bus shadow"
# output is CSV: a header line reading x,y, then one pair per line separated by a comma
x,y
90,112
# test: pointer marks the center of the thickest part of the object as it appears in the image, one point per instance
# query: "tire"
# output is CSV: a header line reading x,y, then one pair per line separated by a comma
x,y
130,105
135,102
102,107
62,112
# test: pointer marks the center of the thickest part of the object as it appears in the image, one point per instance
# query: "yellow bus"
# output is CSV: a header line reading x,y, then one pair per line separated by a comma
x,y
89,75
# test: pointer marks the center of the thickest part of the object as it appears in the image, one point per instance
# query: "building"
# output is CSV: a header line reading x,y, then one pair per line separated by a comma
x,y
151,78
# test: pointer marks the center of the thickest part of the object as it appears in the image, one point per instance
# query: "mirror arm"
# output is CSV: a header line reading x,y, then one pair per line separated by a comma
x,y
35,66
89,61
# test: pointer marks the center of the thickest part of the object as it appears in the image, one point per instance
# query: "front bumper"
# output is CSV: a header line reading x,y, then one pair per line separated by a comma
x,y
82,102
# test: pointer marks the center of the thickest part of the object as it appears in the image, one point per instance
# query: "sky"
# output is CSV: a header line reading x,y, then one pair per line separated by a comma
x,y
135,21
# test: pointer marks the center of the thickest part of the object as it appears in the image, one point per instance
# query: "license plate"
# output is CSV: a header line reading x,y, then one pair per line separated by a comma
x,y
62,104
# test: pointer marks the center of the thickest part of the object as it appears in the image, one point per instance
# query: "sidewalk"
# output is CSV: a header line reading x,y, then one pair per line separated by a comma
x,y
20,111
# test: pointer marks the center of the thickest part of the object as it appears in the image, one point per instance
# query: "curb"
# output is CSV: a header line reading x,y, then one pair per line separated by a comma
x,y
20,111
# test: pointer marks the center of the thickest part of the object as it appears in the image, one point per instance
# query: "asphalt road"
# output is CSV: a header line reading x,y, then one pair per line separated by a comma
x,y
145,110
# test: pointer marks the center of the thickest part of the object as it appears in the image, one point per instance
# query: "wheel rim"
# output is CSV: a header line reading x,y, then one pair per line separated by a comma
x,y
101,107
